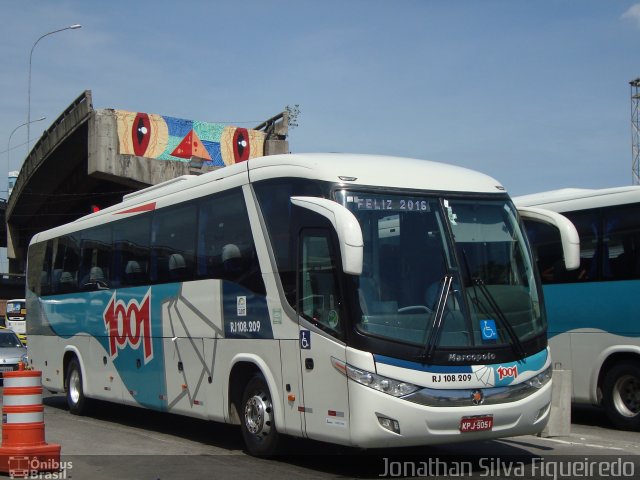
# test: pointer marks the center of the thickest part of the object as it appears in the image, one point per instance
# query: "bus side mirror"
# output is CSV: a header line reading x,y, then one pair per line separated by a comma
x,y
568,233
346,226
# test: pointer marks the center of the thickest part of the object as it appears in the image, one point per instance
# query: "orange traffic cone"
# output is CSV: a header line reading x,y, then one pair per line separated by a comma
x,y
23,448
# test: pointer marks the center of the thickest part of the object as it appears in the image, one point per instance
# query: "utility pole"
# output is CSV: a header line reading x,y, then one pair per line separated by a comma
x,y
635,131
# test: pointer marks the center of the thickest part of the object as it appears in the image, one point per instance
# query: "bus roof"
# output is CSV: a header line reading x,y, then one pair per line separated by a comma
x,y
374,170
571,199
353,170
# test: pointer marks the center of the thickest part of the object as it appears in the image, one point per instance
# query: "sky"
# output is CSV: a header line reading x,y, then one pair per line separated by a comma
x,y
535,94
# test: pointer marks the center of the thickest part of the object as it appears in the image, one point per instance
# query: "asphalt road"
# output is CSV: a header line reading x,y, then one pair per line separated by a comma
x,y
117,442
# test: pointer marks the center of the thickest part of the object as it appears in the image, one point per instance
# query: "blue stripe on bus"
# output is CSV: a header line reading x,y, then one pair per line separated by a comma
x,y
607,306
139,361
533,363
140,368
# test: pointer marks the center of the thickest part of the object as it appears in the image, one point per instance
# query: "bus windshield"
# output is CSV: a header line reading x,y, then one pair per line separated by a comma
x,y
445,272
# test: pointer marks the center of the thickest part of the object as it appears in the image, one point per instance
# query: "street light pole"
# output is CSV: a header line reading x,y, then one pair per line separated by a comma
x,y
70,27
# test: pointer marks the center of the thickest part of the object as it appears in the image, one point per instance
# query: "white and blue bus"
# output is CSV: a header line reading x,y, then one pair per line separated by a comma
x,y
354,299
593,311
15,318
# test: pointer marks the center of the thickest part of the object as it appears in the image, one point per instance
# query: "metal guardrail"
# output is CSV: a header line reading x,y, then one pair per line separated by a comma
x,y
276,125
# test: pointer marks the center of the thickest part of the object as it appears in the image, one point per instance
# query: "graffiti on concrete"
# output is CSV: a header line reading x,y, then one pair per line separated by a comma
x,y
168,138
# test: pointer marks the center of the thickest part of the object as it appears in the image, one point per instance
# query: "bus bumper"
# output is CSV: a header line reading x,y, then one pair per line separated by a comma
x,y
425,425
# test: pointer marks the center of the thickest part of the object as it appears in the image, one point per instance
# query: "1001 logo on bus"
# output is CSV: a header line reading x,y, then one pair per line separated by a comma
x,y
511,372
129,324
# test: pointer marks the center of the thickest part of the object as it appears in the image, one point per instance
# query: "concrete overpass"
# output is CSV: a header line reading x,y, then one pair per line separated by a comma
x,y
90,158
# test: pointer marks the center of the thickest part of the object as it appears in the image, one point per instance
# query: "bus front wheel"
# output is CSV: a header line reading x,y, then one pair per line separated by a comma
x,y
76,400
621,395
257,424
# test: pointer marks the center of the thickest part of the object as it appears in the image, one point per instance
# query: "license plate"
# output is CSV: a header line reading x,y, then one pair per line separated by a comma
x,y
476,424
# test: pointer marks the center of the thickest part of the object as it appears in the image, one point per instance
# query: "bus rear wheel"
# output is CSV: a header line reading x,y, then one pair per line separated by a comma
x,y
77,402
257,422
621,395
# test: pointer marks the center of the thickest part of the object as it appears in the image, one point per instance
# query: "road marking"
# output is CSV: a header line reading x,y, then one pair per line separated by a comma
x,y
591,445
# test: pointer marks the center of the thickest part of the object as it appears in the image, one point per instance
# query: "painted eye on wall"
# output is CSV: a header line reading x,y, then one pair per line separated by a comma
x,y
141,133
241,146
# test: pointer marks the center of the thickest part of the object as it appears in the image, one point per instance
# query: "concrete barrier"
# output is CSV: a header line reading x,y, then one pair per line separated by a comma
x,y
560,416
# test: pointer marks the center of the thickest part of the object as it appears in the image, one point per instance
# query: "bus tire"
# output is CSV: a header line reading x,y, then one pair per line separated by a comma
x,y
621,395
257,421
77,402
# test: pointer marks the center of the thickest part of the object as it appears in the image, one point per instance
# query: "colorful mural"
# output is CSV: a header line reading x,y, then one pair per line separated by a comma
x,y
168,138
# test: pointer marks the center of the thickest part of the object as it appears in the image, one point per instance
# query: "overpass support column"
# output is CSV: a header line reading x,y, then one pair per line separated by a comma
x,y
15,254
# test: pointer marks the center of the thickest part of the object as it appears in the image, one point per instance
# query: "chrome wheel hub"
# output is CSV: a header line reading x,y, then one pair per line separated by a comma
x,y
626,395
74,386
256,415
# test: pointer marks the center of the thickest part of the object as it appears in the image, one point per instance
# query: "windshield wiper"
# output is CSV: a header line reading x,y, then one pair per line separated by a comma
x,y
515,341
516,344
436,325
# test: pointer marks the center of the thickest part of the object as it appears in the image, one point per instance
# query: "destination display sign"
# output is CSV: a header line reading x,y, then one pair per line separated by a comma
x,y
390,203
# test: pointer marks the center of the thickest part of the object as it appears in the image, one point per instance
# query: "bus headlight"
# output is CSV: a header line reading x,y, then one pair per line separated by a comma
x,y
373,380
541,379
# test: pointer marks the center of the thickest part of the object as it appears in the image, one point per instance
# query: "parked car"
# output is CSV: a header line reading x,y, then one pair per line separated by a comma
x,y
22,337
12,351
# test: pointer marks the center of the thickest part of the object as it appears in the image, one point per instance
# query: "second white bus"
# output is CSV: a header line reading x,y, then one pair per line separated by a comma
x,y
593,311
16,318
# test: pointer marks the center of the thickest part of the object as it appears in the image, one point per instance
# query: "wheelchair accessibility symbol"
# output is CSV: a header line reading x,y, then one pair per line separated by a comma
x,y
488,330
305,339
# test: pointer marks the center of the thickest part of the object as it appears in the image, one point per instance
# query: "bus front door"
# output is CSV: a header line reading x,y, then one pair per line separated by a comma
x,y
321,325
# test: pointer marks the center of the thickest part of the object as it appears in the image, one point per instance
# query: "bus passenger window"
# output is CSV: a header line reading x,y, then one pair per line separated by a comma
x,y
173,243
622,243
131,237
226,250
39,279
95,247
66,261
